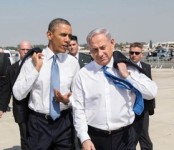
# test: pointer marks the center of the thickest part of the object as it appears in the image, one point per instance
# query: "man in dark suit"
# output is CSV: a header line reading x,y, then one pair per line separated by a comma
x,y
4,95
141,123
82,58
19,107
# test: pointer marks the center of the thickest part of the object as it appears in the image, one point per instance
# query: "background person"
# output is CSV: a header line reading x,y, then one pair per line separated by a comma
x,y
47,130
82,58
141,123
4,96
20,109
103,113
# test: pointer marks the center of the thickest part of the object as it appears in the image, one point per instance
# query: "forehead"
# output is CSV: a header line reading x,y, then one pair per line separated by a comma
x,y
136,49
73,42
98,40
25,44
63,28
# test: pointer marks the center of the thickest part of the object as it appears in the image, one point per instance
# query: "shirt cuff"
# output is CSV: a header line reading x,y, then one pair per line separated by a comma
x,y
84,136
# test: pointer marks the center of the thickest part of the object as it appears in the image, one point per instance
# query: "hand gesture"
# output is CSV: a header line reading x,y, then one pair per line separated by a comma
x,y
123,70
62,98
37,60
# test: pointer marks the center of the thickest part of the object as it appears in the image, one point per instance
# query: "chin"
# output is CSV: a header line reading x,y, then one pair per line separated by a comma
x,y
103,63
63,51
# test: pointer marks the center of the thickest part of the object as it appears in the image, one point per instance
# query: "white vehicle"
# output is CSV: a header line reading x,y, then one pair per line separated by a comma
x,y
13,55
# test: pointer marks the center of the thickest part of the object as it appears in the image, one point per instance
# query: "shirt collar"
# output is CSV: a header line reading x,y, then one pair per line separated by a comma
x,y
109,65
77,56
49,54
138,63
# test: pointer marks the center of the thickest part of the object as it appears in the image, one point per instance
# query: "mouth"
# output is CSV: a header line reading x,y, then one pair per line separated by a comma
x,y
65,46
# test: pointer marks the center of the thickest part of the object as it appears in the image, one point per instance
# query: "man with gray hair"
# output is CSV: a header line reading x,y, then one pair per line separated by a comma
x,y
103,112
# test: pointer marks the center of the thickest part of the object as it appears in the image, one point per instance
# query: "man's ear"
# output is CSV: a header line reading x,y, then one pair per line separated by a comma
x,y
49,35
141,55
113,43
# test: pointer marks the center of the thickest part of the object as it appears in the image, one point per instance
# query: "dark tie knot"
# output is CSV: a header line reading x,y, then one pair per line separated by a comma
x,y
104,68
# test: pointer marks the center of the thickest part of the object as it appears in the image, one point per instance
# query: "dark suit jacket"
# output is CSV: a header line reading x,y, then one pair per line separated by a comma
x,y
4,63
84,59
4,94
20,108
149,105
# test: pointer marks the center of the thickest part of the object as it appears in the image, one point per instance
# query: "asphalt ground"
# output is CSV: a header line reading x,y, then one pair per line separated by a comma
x,y
161,124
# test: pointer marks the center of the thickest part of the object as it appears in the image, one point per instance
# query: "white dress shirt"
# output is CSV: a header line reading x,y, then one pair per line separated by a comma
x,y
77,56
99,103
38,83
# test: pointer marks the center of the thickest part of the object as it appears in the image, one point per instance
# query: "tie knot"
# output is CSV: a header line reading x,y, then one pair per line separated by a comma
x,y
104,68
54,58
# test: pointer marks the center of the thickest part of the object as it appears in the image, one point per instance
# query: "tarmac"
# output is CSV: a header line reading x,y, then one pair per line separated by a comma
x,y
161,123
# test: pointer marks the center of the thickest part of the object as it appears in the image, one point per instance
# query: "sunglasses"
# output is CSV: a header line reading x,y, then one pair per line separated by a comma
x,y
136,53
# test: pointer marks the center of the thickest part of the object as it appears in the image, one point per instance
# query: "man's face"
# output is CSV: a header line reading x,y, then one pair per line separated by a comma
x,y
101,49
73,47
135,54
24,48
59,38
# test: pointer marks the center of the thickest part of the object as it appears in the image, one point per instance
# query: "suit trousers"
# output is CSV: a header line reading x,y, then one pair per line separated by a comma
x,y
23,135
47,134
141,128
118,140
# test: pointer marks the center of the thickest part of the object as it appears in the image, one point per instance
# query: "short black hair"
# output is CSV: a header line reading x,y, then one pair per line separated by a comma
x,y
56,22
74,38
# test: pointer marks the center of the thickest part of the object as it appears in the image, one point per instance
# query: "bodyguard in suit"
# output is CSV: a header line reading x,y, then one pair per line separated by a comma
x,y
82,58
20,108
141,123
4,94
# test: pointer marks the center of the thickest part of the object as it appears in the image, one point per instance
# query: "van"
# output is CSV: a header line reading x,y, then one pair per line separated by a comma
x,y
12,55
9,56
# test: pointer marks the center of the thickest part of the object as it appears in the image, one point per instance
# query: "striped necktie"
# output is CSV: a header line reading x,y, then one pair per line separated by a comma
x,y
139,103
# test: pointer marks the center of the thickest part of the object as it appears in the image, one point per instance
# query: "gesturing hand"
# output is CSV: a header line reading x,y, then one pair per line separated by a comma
x,y
62,98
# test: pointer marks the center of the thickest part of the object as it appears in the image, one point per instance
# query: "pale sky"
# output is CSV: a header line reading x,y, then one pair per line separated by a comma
x,y
127,20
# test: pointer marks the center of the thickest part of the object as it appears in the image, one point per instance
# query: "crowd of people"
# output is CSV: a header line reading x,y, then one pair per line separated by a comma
x,y
67,100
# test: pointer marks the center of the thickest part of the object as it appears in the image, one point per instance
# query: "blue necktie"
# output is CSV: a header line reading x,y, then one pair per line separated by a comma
x,y
55,84
139,103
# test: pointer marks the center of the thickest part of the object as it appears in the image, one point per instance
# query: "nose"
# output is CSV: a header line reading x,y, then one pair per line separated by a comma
x,y
100,53
26,50
67,38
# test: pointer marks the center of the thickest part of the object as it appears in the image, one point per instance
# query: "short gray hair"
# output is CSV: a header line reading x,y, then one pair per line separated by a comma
x,y
96,32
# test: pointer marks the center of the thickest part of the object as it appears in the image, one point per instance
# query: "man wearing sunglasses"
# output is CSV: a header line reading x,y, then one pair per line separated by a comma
x,y
141,123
